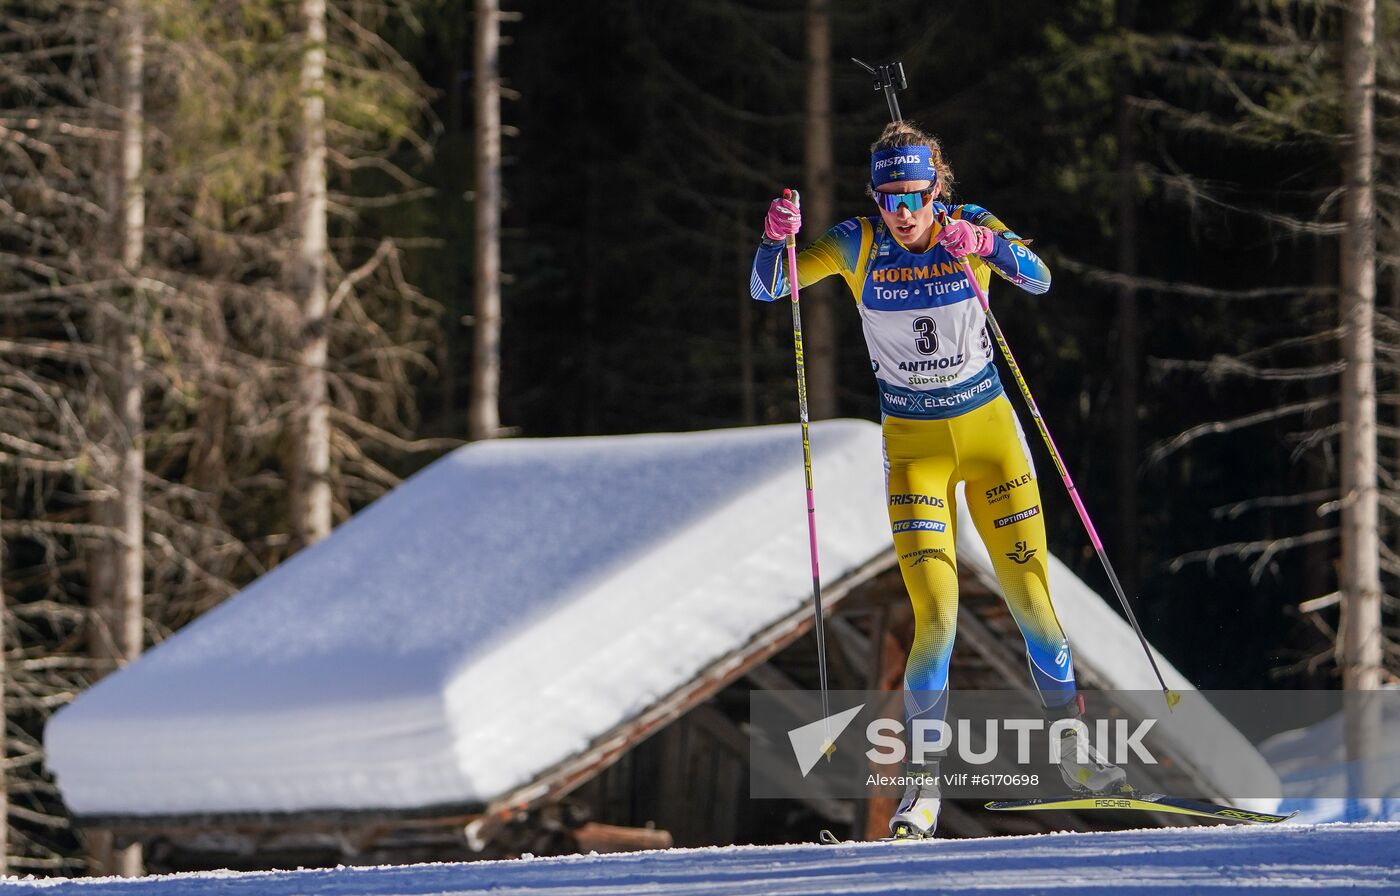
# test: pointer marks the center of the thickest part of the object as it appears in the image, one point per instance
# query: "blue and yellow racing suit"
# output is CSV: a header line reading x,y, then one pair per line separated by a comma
x,y
946,420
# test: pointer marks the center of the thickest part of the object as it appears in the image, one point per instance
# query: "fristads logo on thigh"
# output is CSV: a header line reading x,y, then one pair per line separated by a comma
x,y
925,500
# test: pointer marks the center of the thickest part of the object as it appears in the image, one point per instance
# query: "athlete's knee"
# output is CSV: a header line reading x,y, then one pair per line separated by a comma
x,y
927,670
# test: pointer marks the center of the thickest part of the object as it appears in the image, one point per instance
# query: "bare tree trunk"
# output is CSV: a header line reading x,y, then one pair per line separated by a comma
x,y
819,207
310,487
484,416
124,635
1361,591
133,365
1361,638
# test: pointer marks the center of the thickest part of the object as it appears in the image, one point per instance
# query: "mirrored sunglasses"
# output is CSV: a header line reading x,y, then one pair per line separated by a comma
x,y
891,202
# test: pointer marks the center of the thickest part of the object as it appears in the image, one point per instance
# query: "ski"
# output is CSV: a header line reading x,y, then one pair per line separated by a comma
x,y
826,837
1143,802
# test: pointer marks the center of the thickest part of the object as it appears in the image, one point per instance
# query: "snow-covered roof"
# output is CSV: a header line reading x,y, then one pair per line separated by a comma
x,y
491,617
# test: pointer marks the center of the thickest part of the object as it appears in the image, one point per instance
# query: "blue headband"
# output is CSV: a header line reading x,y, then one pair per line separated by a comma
x,y
902,163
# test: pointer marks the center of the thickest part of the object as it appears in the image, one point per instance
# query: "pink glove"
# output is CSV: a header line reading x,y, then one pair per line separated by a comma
x,y
784,220
963,238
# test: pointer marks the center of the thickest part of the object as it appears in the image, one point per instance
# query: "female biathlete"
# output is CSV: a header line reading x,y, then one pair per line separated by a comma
x,y
946,420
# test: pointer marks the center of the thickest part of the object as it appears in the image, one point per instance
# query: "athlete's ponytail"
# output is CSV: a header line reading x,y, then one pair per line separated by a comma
x,y
902,133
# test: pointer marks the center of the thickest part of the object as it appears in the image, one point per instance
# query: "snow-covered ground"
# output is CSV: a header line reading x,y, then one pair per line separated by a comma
x,y
1355,858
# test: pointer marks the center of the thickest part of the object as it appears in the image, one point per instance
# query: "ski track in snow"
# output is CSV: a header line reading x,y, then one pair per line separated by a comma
x,y
1355,858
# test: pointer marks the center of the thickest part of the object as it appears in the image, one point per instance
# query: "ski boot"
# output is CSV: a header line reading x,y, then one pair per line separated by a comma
x,y
1095,774
917,816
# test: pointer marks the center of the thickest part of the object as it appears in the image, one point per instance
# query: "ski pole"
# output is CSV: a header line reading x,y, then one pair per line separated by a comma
x,y
820,627
1172,696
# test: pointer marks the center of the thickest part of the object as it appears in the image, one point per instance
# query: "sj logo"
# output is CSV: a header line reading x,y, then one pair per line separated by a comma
x,y
1022,554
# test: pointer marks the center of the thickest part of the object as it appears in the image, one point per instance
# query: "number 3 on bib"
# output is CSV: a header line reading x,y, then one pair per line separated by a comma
x,y
926,336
